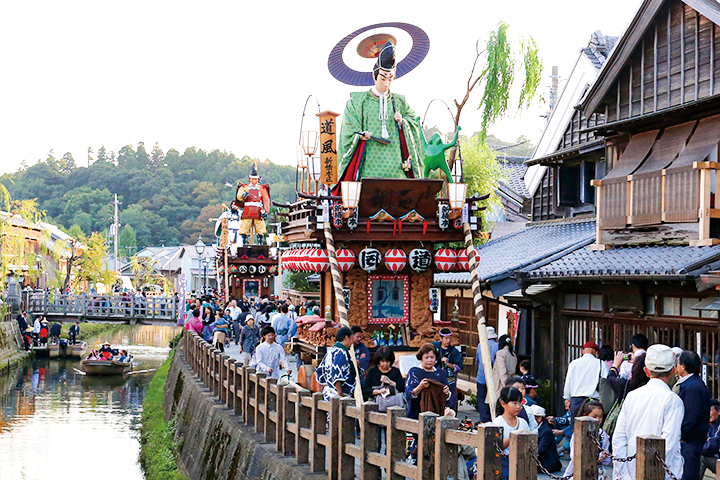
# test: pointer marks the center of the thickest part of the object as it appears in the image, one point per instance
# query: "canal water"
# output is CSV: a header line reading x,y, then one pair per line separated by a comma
x,y
59,424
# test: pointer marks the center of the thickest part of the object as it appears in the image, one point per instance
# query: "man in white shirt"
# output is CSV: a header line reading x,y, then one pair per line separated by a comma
x,y
638,344
650,410
583,377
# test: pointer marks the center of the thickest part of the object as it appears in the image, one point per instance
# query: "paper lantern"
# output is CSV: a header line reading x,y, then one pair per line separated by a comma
x,y
345,259
446,259
369,259
463,264
420,259
300,259
395,260
318,260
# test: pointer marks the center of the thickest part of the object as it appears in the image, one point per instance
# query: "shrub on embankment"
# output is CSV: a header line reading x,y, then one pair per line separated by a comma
x,y
157,448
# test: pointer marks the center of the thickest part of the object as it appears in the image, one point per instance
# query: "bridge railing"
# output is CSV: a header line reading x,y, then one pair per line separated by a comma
x,y
103,306
322,434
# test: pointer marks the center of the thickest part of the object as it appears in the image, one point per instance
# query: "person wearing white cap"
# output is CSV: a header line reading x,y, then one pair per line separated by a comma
x,y
547,451
650,410
483,407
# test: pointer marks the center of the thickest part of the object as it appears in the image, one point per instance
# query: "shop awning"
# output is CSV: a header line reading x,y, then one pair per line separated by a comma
x,y
710,303
666,148
635,152
705,138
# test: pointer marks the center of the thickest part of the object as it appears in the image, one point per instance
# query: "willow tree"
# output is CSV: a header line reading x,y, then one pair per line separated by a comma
x,y
494,71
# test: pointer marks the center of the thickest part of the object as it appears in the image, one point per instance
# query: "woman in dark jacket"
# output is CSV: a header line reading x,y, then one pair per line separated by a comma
x,y
382,372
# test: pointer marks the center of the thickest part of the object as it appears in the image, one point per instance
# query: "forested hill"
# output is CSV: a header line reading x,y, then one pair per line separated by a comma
x,y
166,198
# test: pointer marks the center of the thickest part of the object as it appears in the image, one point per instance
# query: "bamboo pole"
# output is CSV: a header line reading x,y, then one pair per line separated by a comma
x,y
341,307
482,332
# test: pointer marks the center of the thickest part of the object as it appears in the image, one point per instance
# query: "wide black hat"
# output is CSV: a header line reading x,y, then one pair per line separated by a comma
x,y
254,172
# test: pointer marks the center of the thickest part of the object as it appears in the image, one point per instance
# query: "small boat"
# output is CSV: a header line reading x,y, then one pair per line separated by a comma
x,y
65,349
97,365
105,367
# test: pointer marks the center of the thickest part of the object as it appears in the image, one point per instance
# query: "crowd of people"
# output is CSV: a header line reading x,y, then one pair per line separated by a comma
x,y
650,389
40,333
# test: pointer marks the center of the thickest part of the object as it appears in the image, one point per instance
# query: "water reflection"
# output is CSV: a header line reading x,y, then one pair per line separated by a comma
x,y
58,423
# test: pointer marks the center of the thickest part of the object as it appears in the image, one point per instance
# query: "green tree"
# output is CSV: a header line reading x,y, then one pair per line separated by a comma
x,y
496,77
91,265
126,156
102,156
481,171
127,241
142,159
67,163
157,157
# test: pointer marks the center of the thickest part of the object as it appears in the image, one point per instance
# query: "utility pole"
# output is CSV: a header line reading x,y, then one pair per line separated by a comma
x,y
115,229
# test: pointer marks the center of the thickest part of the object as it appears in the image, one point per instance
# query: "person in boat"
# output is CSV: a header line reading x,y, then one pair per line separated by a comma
x,y
93,355
124,357
107,351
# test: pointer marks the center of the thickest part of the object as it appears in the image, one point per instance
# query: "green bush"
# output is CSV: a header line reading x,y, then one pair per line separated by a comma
x,y
157,445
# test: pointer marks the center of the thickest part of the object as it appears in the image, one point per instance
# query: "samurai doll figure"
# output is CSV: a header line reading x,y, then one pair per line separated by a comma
x,y
255,202
232,214
380,133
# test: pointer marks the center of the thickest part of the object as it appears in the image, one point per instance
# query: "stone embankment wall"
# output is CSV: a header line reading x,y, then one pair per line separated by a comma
x,y
9,351
212,443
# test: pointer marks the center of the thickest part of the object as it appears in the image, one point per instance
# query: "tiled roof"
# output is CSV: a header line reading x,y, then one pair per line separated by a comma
x,y
599,48
514,172
500,258
640,262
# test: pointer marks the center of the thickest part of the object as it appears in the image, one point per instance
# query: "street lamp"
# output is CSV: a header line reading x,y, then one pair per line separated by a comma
x,y
457,193
199,249
206,264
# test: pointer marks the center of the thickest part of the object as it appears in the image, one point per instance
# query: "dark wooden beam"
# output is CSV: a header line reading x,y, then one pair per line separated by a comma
x,y
712,59
697,54
642,76
630,102
655,69
682,54
669,21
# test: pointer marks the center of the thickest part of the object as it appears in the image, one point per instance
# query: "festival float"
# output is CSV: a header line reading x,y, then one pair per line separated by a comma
x,y
246,264
368,218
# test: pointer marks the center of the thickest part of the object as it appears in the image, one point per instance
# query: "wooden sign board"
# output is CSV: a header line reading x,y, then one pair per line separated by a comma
x,y
328,147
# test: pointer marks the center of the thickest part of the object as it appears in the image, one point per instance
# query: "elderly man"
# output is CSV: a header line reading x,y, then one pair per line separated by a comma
x,y
711,448
652,409
583,377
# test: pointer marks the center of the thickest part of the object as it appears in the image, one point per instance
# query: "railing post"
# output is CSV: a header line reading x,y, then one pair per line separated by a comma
x,y
238,386
318,420
586,452
523,446
225,378
215,373
280,424
302,417
270,406
288,437
369,441
426,445
646,463
259,402
489,462
347,435
446,454
394,443
248,392
334,434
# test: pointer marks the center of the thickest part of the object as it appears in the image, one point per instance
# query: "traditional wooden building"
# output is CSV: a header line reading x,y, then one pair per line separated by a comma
x,y
652,119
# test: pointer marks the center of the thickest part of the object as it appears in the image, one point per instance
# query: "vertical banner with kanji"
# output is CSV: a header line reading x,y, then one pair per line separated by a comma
x,y
328,147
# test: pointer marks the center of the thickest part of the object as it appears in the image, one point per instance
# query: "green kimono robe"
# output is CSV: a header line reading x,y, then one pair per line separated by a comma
x,y
385,161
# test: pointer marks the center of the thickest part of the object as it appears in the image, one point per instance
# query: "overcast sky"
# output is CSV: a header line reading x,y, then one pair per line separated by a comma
x,y
235,75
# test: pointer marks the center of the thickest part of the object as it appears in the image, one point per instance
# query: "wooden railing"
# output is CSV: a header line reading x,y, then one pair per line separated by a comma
x,y
321,433
107,307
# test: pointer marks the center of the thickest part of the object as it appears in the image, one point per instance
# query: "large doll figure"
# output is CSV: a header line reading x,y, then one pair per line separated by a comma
x,y
380,134
255,201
